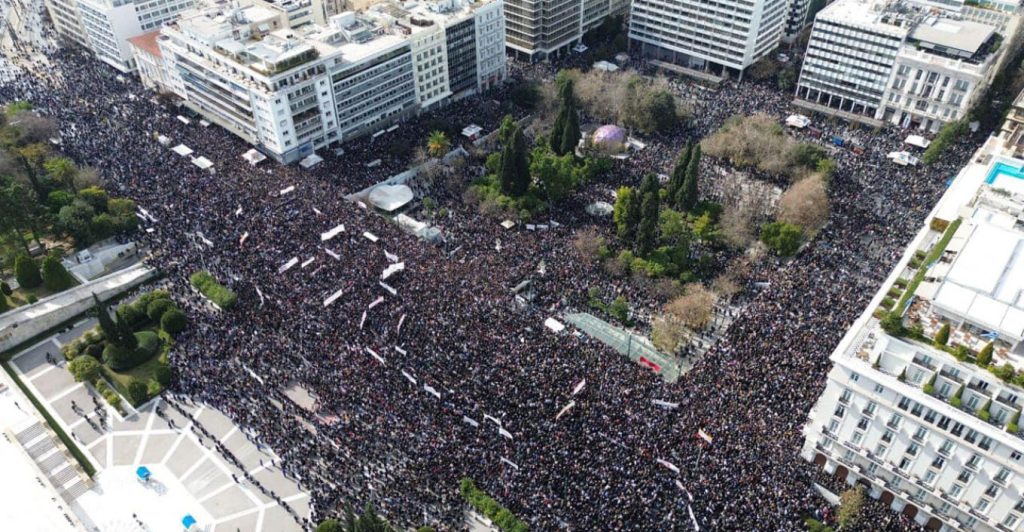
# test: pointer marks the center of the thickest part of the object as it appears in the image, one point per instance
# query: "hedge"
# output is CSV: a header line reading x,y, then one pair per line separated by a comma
x,y
173,321
483,503
214,291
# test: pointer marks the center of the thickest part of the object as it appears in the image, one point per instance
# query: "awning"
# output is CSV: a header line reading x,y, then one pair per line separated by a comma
x,y
798,121
182,150
254,157
390,197
311,160
555,325
902,158
471,131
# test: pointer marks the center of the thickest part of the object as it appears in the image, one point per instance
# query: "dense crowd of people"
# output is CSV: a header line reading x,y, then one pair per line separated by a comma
x,y
448,377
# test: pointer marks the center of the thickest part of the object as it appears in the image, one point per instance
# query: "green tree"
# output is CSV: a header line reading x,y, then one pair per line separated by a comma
x,y
508,125
673,227
657,112
26,271
850,503
31,157
76,220
571,132
565,93
626,214
62,170
137,392
58,199
173,321
96,197
515,171
985,355
20,211
782,238
84,368
688,193
554,174
55,276
678,176
704,227
942,337
368,521
117,332
647,231
329,525
438,143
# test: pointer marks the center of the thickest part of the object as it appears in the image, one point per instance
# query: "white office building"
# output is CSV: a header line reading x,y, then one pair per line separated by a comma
x,y
104,26
926,429
292,90
796,20
539,30
901,63
719,37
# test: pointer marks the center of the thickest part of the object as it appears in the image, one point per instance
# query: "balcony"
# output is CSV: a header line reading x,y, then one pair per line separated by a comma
x,y
956,378
1006,401
973,386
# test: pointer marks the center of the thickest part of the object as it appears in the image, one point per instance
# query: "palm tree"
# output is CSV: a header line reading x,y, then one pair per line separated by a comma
x,y
438,143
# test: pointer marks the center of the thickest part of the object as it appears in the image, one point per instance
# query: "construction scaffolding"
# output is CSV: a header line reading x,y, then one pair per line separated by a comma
x,y
637,348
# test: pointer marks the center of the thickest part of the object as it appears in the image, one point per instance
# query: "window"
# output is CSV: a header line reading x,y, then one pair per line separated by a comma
x,y
971,436
944,389
1019,507
1002,475
863,423
848,455
870,409
946,448
964,476
833,426
918,408
955,490
913,448
857,437
929,477
958,429
930,416
961,85
1015,455
944,422
985,443
992,491
904,403
972,402
879,388
880,450
840,411
974,461
887,436
854,376
895,420
938,462
982,505
904,464
920,434
872,468
1010,521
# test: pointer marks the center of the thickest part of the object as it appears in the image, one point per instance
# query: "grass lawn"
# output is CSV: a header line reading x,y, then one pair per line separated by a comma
x,y
144,372
20,296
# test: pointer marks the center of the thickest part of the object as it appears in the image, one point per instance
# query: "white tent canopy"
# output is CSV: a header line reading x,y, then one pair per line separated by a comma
x,y
555,325
605,66
798,121
254,157
182,150
311,160
902,158
917,140
202,162
390,197
471,131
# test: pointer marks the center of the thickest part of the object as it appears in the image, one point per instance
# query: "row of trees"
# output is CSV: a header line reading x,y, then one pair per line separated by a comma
x,y
644,104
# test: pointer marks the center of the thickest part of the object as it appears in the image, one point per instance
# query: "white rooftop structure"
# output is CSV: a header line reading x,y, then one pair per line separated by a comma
x,y
390,197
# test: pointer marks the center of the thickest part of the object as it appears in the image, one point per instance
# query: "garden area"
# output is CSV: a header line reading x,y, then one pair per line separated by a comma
x,y
126,354
36,280
212,290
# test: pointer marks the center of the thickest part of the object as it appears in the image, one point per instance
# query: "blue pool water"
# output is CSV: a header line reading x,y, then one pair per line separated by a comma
x,y
1004,169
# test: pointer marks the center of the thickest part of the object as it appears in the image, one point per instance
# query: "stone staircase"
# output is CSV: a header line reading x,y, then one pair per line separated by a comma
x,y
65,475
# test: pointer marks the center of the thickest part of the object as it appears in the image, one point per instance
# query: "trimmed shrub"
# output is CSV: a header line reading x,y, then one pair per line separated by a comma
x,y
330,525
782,238
5,288
214,291
173,321
55,277
155,309
136,392
84,369
985,355
483,503
26,271
153,388
162,374
1004,372
133,314
94,350
892,323
942,337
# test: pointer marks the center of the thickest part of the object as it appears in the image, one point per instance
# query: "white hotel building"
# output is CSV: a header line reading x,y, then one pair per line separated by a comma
x,y
291,91
722,37
907,64
935,436
104,26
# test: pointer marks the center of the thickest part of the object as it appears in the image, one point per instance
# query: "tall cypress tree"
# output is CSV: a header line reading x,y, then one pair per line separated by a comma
x,y
107,324
571,132
565,106
675,181
515,169
689,194
647,231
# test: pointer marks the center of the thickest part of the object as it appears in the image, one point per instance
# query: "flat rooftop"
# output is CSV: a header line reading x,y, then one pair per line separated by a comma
x,y
962,35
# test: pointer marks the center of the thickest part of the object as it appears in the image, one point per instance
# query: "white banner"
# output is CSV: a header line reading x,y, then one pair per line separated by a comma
x,y
579,386
317,211
288,265
666,404
287,190
391,257
307,262
400,322
504,433
494,419
333,297
511,463
470,421
245,236
565,409
333,255
668,465
375,355
259,294
376,302
432,391
388,288
362,321
238,211
409,377
400,350
370,236
693,518
391,270
325,236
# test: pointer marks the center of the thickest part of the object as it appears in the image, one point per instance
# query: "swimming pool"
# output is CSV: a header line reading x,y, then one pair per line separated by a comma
x,y
1006,176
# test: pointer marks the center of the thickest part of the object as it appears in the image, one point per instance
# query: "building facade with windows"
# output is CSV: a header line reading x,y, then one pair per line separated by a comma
x,y
104,26
922,424
290,91
900,63
721,37
536,30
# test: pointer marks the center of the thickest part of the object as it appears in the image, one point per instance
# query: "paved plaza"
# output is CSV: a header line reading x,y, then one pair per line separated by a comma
x,y
189,475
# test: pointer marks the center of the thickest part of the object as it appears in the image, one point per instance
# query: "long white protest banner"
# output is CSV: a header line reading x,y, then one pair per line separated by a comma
x,y
668,465
307,262
362,321
665,404
579,386
470,421
400,350
504,433
400,322
390,256
245,236
432,391
287,190
565,409
391,270
238,211
325,236
288,265
333,297
376,302
375,355
370,236
259,293
511,463
388,288
410,378
492,418
333,255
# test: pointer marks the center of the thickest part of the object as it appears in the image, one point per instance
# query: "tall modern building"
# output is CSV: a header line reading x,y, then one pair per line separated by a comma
x,y
796,20
720,37
907,64
538,29
292,90
104,26
911,409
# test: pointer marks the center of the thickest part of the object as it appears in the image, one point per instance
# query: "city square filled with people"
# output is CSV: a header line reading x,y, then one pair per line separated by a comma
x,y
448,377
